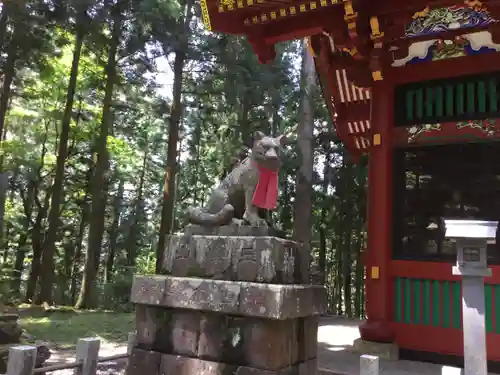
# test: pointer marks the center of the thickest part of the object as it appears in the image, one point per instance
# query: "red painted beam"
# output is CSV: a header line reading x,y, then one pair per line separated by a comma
x,y
484,63
390,7
302,25
434,271
289,28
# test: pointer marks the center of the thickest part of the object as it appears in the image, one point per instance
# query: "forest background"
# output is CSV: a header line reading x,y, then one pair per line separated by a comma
x,y
100,159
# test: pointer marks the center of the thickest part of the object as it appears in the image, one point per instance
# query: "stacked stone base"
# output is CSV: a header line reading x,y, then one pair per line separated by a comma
x,y
152,362
217,324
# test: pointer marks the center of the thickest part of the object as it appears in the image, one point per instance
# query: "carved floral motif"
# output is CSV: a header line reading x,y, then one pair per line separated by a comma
x,y
440,49
416,130
486,126
455,17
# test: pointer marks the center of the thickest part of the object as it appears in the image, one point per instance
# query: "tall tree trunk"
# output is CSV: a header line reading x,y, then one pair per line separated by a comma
x,y
37,244
9,71
347,234
114,231
4,17
77,256
15,284
324,210
37,233
9,227
84,216
47,276
99,184
305,139
358,307
167,210
138,214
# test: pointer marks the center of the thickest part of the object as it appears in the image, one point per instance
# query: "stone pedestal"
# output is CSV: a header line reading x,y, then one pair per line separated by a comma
x,y
231,304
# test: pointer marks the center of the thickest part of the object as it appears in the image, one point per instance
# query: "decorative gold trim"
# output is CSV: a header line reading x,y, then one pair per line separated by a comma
x,y
475,4
205,15
377,75
422,13
350,15
375,27
290,11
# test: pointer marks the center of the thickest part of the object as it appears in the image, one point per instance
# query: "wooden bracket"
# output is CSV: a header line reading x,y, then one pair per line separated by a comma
x,y
376,52
265,52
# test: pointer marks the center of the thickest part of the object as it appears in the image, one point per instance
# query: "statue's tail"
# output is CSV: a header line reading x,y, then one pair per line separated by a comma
x,y
201,217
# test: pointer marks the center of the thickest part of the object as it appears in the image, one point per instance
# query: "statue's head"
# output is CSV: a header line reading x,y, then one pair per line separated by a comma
x,y
266,151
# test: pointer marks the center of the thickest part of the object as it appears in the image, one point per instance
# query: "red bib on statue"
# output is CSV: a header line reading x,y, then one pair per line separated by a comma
x,y
266,193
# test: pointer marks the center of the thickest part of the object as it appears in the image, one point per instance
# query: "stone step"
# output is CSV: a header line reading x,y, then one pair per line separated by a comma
x,y
269,301
261,258
177,365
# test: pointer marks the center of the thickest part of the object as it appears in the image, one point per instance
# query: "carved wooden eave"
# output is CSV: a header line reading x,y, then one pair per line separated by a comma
x,y
354,41
348,105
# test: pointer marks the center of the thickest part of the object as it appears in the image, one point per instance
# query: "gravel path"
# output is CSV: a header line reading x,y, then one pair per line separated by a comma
x,y
335,339
115,367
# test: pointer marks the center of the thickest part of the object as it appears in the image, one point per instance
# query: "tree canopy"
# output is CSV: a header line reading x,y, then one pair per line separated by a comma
x,y
100,158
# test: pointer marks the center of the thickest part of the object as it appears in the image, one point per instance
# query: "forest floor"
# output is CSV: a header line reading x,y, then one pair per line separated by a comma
x,y
61,329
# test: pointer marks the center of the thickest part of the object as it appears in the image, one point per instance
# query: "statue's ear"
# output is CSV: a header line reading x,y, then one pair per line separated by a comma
x,y
258,135
282,140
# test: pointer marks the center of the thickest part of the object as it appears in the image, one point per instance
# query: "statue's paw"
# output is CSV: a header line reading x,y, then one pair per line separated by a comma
x,y
261,222
254,220
237,222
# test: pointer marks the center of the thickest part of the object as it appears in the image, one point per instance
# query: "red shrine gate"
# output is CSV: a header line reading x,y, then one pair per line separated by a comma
x,y
415,85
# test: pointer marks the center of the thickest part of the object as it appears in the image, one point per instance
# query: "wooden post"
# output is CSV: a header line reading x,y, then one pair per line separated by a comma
x,y
21,360
379,252
87,352
132,339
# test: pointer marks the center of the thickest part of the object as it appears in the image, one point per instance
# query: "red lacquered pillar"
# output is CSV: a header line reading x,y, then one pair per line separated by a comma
x,y
378,284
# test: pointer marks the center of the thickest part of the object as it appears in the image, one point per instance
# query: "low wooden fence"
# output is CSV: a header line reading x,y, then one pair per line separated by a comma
x,y
21,360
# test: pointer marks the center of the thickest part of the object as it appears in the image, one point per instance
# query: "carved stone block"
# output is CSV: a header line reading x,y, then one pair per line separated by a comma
x,y
231,230
147,324
232,297
148,290
307,338
202,294
213,336
143,362
268,344
185,332
309,367
178,365
180,256
263,259
281,301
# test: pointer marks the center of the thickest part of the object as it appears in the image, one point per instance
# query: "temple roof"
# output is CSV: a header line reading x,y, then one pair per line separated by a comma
x,y
354,41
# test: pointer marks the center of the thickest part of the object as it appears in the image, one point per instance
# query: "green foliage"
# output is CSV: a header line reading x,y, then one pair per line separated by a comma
x,y
65,328
226,96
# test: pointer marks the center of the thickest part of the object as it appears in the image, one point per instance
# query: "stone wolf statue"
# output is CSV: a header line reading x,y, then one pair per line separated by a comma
x,y
250,187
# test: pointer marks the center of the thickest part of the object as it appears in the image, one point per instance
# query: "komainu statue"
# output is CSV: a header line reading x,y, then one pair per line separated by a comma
x,y
250,187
